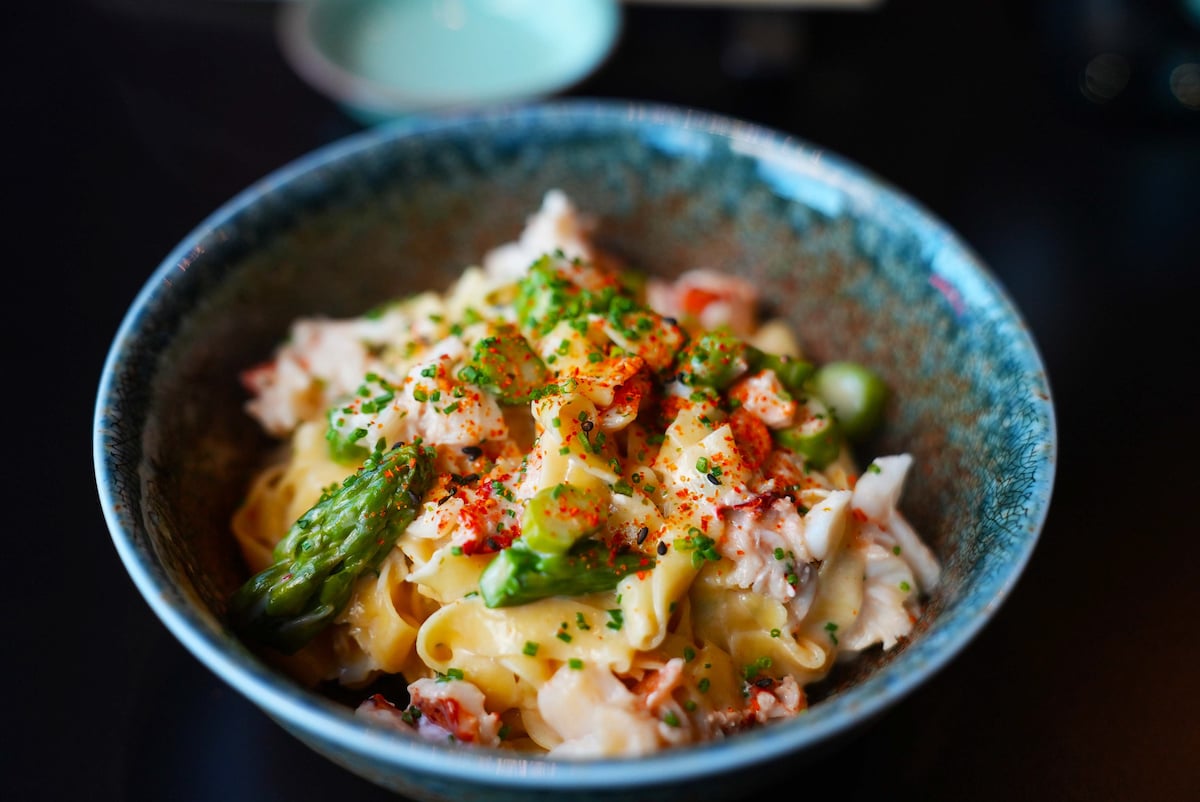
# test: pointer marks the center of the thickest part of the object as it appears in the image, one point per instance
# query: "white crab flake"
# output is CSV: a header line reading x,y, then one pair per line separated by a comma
x,y
555,227
753,538
764,397
453,708
715,300
887,588
324,360
785,700
596,715
876,496
429,403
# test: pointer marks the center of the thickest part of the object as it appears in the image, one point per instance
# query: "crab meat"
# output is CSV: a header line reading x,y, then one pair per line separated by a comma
x,y
556,226
765,541
876,496
752,437
595,715
764,396
324,360
709,299
440,711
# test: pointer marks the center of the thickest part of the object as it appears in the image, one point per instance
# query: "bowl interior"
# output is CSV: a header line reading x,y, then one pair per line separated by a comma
x,y
860,271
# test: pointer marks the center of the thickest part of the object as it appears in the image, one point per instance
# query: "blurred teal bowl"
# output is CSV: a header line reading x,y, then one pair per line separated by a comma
x,y
383,59
862,272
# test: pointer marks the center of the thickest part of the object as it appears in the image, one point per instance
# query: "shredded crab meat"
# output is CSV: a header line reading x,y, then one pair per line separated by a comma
x,y
784,699
657,686
885,616
779,699
877,496
766,544
323,361
709,299
431,403
441,710
556,226
595,715
764,396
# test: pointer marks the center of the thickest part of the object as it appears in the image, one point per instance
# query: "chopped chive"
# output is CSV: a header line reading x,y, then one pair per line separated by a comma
x,y
617,617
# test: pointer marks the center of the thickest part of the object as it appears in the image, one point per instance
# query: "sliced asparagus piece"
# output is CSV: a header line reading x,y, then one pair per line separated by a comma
x,y
348,532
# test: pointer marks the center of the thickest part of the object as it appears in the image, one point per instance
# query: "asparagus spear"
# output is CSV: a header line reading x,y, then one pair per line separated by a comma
x,y
348,532
519,575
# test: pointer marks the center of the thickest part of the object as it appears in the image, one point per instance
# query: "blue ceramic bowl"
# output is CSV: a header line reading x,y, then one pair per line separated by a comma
x,y
861,270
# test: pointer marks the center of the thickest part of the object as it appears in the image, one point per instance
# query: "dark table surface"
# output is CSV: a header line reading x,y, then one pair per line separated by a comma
x,y
134,119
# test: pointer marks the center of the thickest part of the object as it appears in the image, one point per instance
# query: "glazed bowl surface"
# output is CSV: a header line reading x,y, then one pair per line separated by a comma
x,y
860,270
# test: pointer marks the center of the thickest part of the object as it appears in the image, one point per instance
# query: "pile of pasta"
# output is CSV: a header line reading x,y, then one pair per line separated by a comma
x,y
762,568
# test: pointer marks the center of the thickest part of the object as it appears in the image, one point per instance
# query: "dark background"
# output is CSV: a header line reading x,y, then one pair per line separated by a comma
x,y
133,120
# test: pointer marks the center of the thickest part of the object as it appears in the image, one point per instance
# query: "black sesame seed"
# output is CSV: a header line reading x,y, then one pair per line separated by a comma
x,y
474,452
492,544
713,479
765,682
642,533
662,547
587,426
670,321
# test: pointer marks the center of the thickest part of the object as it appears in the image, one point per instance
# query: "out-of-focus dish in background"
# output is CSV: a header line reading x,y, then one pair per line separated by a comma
x,y
382,59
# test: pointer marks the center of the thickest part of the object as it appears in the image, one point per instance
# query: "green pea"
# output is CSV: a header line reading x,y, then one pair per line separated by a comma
x,y
855,393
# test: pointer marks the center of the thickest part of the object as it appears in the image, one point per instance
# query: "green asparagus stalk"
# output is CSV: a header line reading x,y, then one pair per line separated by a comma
x,y
348,532
519,575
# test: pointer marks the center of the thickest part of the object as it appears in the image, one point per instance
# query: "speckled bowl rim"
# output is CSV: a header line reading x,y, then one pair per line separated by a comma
x,y
924,656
